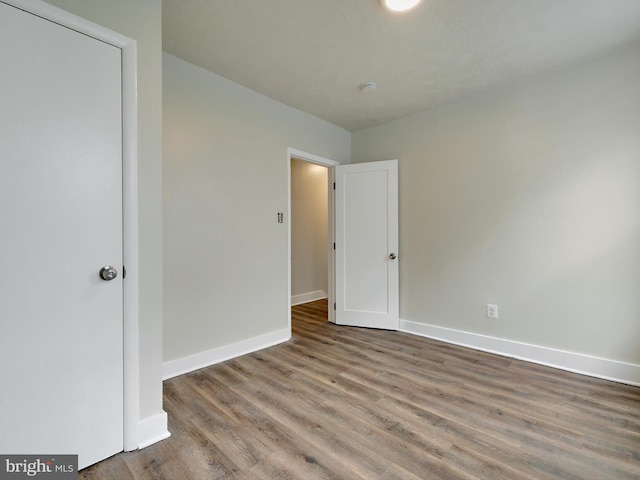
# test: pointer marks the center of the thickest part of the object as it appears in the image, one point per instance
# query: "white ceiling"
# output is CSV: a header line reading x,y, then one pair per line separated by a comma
x,y
314,54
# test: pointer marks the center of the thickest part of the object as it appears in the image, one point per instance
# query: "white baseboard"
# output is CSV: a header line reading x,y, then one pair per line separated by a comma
x,y
153,429
188,364
308,297
621,372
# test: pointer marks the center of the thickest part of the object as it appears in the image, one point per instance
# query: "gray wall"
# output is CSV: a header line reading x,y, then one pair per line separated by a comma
x,y
142,21
527,196
225,179
309,209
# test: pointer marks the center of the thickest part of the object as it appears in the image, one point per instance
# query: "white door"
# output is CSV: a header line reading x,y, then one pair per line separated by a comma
x,y
367,244
61,346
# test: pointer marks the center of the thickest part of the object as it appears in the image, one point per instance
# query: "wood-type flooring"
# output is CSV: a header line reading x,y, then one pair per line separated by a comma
x,y
350,403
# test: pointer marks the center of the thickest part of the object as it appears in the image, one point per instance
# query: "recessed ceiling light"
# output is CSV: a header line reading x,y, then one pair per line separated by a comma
x,y
399,5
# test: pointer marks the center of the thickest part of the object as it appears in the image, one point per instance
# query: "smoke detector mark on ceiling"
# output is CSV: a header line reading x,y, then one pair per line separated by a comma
x,y
368,87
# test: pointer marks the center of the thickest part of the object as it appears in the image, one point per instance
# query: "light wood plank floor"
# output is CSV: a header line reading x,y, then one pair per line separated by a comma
x,y
350,403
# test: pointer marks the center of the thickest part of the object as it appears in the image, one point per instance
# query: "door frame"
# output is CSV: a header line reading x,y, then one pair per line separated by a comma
x,y
293,154
128,47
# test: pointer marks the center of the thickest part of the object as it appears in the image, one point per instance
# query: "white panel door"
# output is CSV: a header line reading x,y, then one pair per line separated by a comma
x,y
61,346
367,244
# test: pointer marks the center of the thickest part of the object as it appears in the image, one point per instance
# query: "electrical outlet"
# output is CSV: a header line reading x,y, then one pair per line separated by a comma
x,y
492,310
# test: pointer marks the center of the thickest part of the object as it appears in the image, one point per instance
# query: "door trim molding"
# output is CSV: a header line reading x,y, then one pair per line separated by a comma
x,y
292,154
131,386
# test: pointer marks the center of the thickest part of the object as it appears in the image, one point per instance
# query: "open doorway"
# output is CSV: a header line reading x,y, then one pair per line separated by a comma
x,y
309,232
311,229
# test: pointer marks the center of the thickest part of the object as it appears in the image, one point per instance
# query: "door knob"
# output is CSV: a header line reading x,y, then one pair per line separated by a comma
x,y
392,256
108,273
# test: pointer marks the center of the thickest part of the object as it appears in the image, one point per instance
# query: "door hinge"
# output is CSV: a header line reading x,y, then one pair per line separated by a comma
x,y
334,185
124,272
334,245
334,306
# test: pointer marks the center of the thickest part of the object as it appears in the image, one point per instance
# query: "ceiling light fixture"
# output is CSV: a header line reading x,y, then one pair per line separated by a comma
x,y
368,87
399,5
